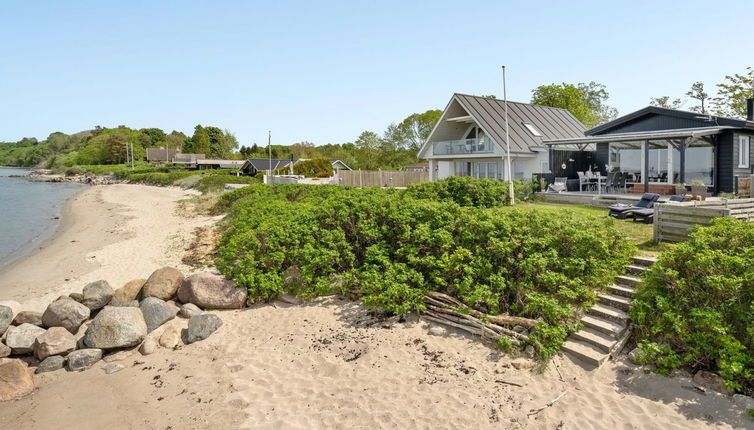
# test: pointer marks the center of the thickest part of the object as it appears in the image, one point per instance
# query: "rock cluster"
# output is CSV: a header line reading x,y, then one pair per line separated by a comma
x,y
77,331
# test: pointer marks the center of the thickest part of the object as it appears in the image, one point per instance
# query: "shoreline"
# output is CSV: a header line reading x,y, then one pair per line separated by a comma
x,y
115,232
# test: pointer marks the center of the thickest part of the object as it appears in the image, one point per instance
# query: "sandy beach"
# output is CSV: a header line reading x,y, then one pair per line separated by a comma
x,y
323,364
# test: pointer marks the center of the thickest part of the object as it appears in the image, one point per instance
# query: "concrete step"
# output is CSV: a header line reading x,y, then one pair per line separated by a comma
x,y
621,290
644,261
610,328
585,352
619,302
635,269
610,313
595,338
627,280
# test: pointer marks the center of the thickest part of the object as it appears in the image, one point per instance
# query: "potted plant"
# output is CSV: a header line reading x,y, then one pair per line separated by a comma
x,y
680,189
699,188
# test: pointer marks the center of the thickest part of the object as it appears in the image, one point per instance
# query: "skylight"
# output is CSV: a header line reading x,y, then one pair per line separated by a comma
x,y
532,129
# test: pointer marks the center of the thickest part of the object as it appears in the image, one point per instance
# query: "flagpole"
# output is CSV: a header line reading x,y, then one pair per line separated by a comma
x,y
269,146
511,197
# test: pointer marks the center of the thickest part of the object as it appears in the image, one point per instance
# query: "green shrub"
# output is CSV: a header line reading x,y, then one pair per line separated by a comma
x,y
218,182
389,248
314,168
696,305
467,191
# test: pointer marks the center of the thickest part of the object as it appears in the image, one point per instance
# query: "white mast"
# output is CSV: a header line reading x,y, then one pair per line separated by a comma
x,y
511,197
269,145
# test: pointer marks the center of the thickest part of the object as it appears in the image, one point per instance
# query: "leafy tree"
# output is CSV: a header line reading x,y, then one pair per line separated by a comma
x,y
697,92
152,137
302,149
665,102
587,102
176,139
199,142
413,130
732,94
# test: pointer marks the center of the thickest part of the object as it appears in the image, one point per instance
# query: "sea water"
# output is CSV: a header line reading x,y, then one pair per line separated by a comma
x,y
29,212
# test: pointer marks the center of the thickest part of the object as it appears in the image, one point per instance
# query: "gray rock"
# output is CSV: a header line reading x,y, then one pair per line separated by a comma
x,y
66,313
116,327
55,341
83,358
522,363
28,317
21,338
4,350
208,290
201,327
436,330
633,356
290,299
162,283
112,368
156,312
6,317
189,310
118,356
173,306
51,364
14,305
79,297
149,346
711,381
529,351
97,295
126,294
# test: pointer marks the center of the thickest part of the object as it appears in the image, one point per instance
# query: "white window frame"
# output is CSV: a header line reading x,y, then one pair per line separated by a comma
x,y
744,152
533,130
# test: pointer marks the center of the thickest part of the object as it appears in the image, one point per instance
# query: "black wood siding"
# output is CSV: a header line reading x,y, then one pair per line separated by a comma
x,y
658,122
725,160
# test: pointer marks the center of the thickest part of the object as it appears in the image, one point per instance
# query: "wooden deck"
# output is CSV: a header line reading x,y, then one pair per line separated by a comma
x,y
592,198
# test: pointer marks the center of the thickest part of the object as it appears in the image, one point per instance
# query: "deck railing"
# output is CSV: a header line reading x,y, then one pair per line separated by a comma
x,y
464,146
672,221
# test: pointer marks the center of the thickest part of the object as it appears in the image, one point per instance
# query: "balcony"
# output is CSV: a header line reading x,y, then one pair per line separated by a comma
x,y
463,147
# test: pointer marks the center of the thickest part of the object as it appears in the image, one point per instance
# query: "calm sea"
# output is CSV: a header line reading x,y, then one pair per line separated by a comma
x,y
28,212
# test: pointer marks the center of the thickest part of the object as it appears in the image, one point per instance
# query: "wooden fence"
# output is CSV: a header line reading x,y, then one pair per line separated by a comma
x,y
672,221
381,178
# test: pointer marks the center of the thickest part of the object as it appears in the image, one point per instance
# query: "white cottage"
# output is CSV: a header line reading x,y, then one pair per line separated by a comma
x,y
469,138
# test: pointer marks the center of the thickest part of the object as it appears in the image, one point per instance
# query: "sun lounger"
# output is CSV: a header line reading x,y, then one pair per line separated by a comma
x,y
648,215
621,211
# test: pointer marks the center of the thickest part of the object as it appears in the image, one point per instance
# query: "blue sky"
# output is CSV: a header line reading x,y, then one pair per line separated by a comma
x,y
324,71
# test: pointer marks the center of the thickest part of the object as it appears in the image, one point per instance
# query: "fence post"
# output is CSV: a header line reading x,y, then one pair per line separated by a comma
x,y
656,225
361,179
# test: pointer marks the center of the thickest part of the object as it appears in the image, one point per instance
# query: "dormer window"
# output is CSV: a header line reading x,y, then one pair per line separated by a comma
x,y
533,130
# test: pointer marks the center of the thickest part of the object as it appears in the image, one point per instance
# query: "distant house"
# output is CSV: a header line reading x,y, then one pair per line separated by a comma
x,y
339,165
469,138
416,167
208,164
187,159
656,148
161,154
252,166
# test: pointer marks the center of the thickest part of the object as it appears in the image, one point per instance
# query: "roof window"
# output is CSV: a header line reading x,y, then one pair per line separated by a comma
x,y
532,129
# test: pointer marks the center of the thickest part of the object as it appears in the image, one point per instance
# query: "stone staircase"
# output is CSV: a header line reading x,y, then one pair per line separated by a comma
x,y
606,326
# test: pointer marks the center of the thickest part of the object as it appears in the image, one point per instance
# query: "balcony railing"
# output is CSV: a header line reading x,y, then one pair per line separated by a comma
x,y
464,146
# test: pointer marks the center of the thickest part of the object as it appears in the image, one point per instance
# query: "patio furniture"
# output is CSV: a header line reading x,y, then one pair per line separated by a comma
x,y
648,215
584,180
558,186
610,183
622,211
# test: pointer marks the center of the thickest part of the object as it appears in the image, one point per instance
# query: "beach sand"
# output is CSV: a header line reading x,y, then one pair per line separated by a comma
x,y
324,364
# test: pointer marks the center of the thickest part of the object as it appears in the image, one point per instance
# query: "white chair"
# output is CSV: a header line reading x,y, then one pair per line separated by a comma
x,y
584,180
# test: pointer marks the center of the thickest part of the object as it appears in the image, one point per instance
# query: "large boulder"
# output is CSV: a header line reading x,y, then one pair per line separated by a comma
x,y
208,290
82,359
171,337
28,317
711,381
66,313
21,338
201,326
55,341
13,305
126,294
163,283
156,312
16,379
51,364
189,310
116,327
97,295
6,317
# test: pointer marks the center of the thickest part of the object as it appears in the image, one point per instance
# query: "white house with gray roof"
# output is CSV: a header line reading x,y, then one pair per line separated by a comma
x,y
469,138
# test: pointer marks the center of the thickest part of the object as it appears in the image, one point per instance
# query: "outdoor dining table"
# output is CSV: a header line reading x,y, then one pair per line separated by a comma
x,y
600,180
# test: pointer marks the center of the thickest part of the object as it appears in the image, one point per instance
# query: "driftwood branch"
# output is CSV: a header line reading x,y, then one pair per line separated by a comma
x,y
500,381
495,319
550,403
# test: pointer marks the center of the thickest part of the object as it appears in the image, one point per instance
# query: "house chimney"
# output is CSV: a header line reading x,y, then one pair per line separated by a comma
x,y
750,109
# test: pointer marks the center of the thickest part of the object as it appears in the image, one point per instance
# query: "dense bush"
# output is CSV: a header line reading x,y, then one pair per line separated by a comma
x,y
314,168
217,182
388,248
467,191
696,305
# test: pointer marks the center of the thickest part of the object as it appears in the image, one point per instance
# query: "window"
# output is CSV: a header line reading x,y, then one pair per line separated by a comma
x,y
532,130
743,152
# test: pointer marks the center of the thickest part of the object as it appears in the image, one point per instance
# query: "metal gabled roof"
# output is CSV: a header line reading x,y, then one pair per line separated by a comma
x,y
655,110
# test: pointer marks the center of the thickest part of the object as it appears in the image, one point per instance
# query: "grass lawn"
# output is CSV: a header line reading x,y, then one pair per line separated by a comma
x,y
639,233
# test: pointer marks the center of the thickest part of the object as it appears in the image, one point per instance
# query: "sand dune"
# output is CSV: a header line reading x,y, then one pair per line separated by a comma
x,y
326,364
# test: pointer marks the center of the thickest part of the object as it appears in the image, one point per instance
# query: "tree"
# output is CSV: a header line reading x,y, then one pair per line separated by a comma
x,y
177,140
152,137
587,102
732,95
199,142
665,102
413,130
697,92
302,149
